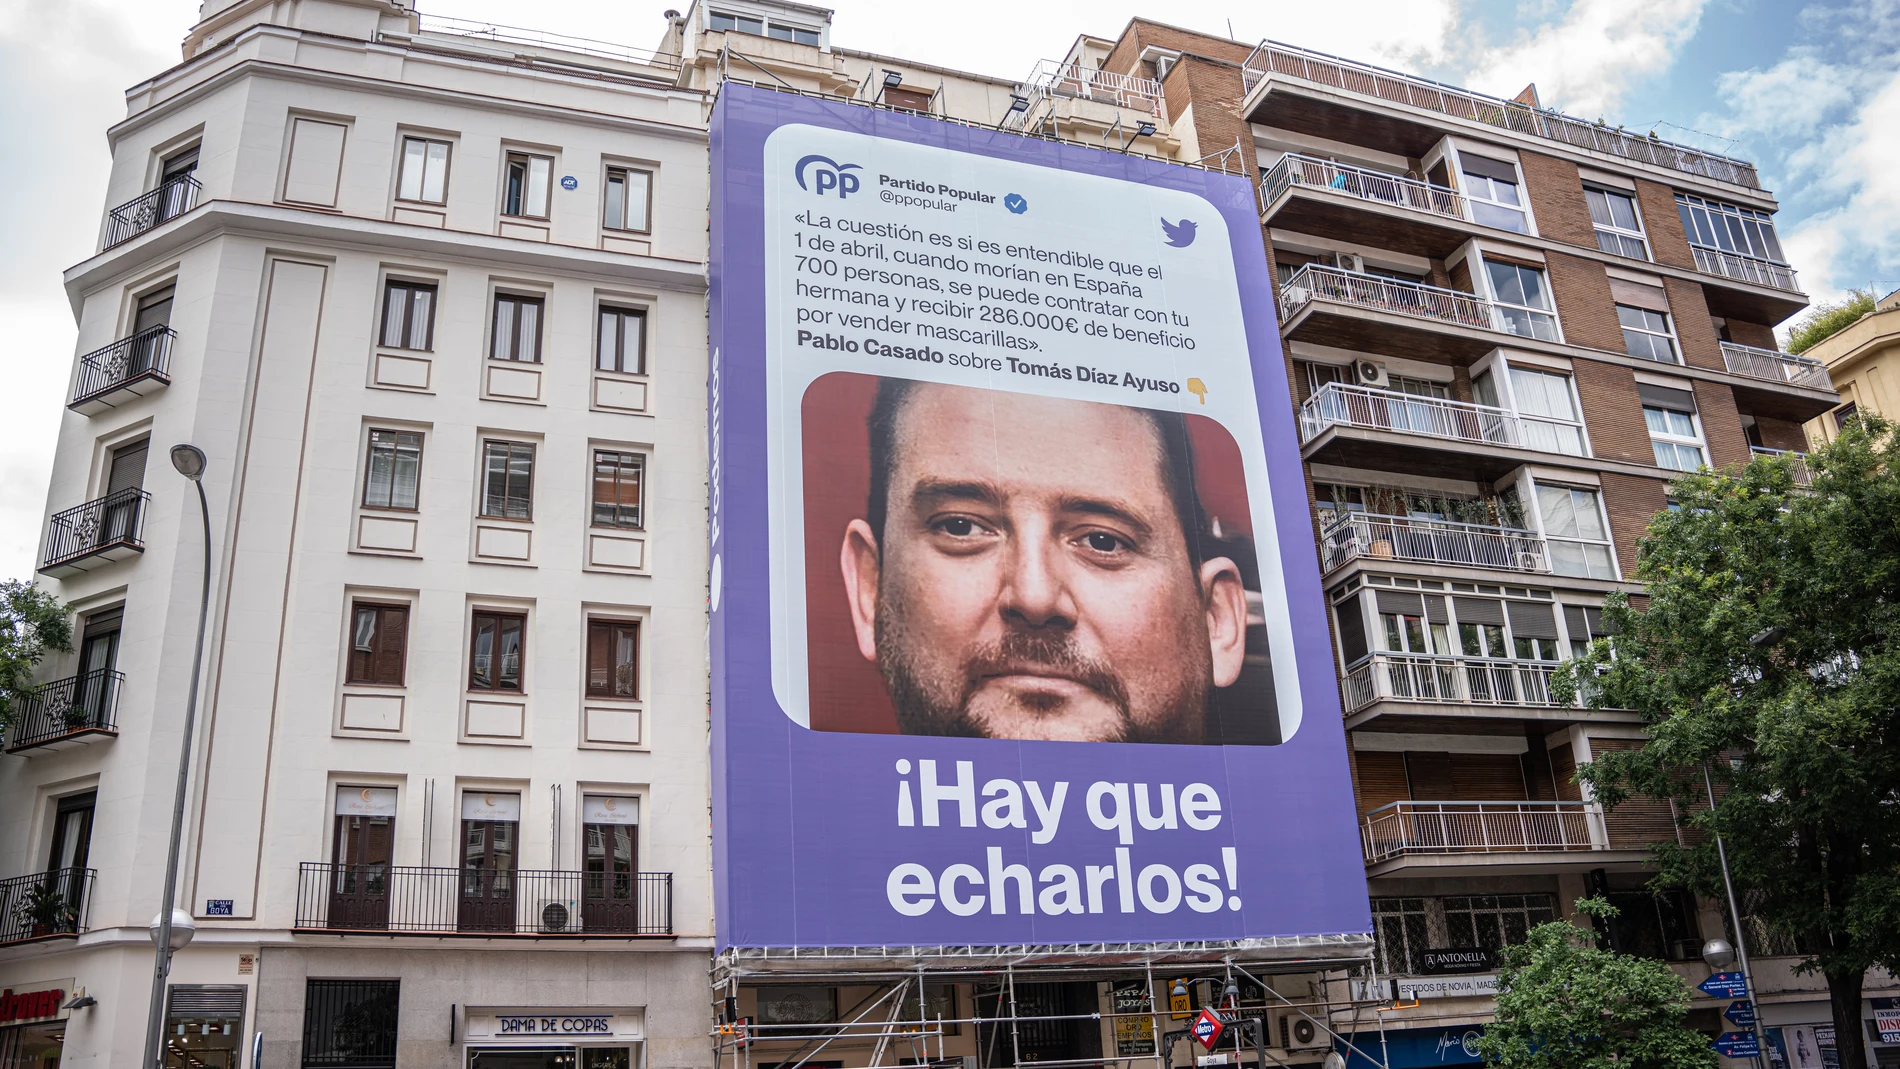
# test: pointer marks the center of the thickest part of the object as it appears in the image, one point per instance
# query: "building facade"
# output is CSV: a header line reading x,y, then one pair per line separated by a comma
x,y
430,295
1857,360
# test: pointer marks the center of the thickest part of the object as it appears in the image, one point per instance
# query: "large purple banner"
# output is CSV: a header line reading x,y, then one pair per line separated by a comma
x,y
1016,624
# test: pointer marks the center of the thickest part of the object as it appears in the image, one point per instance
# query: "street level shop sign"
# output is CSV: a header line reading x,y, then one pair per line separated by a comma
x,y
1737,1045
1725,985
1457,960
1887,1019
540,1023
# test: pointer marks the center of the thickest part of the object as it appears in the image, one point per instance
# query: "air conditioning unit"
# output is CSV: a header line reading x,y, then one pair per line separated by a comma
x,y
1345,261
1300,1032
1370,373
559,915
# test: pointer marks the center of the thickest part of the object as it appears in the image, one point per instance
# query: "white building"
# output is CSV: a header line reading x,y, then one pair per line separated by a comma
x,y
432,303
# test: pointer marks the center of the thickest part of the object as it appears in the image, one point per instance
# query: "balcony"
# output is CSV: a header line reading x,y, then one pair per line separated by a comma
x,y
1745,268
1782,385
169,201
409,899
1404,828
1390,431
1797,461
69,712
1364,207
127,369
1287,61
1399,538
1371,313
1776,366
1078,100
95,534
44,905
1428,680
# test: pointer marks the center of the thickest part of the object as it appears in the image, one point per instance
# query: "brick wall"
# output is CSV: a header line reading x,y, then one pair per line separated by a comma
x,y
1216,91
1721,424
1754,334
1631,501
1694,329
1781,433
1459,276
1582,289
1660,219
1556,195
1613,412
1125,57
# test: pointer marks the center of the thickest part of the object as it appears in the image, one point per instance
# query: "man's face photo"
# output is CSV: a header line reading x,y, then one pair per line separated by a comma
x,y
1035,568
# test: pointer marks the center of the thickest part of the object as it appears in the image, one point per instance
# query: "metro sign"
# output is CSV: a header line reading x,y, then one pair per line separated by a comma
x,y
1207,1028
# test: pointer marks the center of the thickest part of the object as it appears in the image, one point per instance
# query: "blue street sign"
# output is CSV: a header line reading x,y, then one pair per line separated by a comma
x,y
1741,1013
1725,985
1737,1045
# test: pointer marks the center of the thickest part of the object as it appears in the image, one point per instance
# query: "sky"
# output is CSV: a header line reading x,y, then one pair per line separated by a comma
x,y
1809,92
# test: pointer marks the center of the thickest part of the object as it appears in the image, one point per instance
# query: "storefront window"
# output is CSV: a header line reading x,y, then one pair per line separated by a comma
x,y
204,1026
551,1058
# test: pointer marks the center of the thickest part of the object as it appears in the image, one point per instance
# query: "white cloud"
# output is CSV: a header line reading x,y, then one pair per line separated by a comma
x,y
1856,165
1587,61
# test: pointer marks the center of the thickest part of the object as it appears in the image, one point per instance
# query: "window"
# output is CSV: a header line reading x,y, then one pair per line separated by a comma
x,y
629,199
1647,334
1713,224
1407,927
394,472
1492,188
175,174
1522,299
495,651
517,329
425,171
1585,622
1406,633
408,315
526,192
1574,530
798,34
1549,413
508,480
379,641
1673,429
719,20
622,342
1482,640
204,1024
617,482
1619,231
350,1024
613,659
1844,414
907,99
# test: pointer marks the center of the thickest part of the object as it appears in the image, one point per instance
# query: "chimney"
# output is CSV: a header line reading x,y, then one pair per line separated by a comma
x,y
1528,96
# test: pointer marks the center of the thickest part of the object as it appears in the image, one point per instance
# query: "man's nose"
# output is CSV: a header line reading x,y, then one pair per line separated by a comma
x,y
1035,591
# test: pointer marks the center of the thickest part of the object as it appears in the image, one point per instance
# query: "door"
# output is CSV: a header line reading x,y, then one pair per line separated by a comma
x,y
1035,1037
119,521
359,885
148,331
174,196
94,683
61,893
610,884
488,876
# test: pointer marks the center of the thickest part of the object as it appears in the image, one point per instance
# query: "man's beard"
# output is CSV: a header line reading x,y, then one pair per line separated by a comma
x,y
924,710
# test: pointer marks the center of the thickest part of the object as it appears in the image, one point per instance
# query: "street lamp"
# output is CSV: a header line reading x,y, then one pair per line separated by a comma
x,y
173,927
1719,949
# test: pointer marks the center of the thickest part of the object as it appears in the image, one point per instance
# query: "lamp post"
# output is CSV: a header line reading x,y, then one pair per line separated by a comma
x,y
168,933
1718,950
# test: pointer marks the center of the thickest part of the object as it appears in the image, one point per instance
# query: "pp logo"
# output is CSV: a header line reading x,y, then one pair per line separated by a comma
x,y
826,175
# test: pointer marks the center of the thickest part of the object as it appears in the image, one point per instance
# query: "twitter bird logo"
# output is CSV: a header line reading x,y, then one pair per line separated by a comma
x,y
1181,234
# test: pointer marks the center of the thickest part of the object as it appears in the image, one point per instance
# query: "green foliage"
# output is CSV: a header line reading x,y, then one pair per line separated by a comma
x,y
1823,321
1564,1003
32,622
1766,655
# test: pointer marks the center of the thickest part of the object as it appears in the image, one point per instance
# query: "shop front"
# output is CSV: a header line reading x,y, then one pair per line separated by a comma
x,y
33,1024
560,1037
1412,1048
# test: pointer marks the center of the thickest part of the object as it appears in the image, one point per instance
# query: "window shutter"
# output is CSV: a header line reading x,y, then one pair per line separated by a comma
x,y
1430,774
1563,766
1488,167
1638,295
1487,778
1435,611
1479,611
392,642
1664,397
128,468
1532,621
600,658
1381,779
1352,631
206,1000
1409,604
316,159
1639,821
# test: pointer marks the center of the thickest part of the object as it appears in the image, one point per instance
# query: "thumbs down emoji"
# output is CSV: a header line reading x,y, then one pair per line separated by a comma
x,y
1198,389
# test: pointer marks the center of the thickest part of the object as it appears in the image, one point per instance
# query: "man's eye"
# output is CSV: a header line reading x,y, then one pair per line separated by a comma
x,y
957,527
1103,542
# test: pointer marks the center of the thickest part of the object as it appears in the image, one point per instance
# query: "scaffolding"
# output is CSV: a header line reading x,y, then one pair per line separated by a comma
x,y
892,1024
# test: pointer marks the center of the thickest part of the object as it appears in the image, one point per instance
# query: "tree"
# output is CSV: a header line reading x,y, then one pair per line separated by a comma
x,y
1823,321
1766,659
1565,1003
32,622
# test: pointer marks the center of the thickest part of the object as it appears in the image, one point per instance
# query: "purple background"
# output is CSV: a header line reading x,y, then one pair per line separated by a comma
x,y
804,827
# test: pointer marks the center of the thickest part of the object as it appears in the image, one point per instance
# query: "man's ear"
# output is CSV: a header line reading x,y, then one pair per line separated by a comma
x,y
858,560
1226,598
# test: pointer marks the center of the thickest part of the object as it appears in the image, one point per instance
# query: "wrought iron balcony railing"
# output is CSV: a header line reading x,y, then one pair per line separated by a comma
x,y
1776,366
1375,186
1406,677
124,366
1338,404
43,905
1317,282
1359,534
1053,78
68,707
1745,268
1271,57
532,902
1481,828
111,527
169,201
